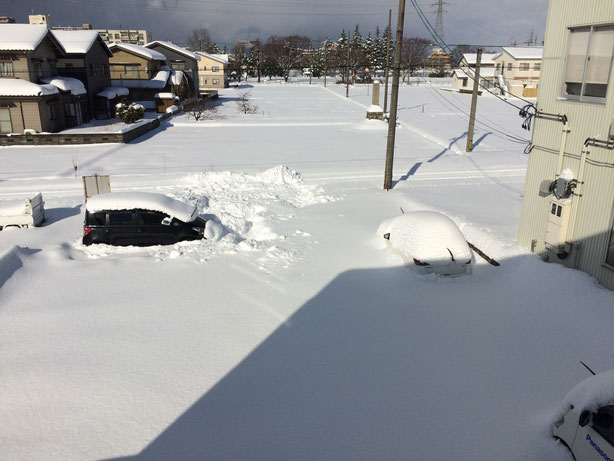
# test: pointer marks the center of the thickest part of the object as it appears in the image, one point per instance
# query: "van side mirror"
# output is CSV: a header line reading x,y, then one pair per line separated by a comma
x,y
585,417
166,221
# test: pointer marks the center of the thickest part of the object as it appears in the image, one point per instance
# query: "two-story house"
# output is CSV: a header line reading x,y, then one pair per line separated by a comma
x,y
212,71
517,70
463,77
28,54
568,201
87,59
179,59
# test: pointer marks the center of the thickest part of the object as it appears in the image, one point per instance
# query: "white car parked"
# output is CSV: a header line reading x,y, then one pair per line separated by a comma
x,y
587,425
429,242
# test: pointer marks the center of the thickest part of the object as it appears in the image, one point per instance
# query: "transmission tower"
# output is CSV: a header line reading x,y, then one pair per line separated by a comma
x,y
439,11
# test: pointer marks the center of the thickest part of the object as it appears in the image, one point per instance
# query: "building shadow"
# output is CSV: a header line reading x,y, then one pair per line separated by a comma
x,y
53,215
376,362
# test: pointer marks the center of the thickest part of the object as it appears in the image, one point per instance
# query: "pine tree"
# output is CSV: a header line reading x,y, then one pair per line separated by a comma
x,y
341,55
357,53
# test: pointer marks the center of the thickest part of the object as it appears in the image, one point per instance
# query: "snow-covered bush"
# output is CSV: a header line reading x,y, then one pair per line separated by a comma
x,y
129,112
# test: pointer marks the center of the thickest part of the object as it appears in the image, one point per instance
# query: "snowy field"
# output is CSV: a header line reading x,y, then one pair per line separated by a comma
x,y
298,334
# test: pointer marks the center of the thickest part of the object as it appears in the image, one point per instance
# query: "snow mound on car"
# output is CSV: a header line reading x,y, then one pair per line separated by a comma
x,y
589,394
426,236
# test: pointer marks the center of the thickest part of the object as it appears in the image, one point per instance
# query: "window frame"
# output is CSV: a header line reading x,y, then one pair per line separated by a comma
x,y
581,97
9,64
10,120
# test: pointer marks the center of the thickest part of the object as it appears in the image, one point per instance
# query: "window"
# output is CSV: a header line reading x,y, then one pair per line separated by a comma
x,y
537,66
38,69
150,218
509,66
52,111
498,66
5,121
97,219
588,63
215,69
132,70
465,81
524,66
117,36
215,82
204,67
178,65
602,423
122,218
6,69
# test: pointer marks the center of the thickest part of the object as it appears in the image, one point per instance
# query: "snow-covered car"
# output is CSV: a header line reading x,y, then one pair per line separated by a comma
x,y
585,422
429,242
141,219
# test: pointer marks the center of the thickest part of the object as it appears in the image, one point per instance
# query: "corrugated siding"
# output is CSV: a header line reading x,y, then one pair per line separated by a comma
x,y
586,120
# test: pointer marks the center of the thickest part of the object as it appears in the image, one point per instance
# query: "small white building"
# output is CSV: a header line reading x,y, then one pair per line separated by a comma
x,y
517,70
462,78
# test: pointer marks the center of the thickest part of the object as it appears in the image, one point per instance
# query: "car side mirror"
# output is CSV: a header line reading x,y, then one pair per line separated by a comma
x,y
585,417
166,221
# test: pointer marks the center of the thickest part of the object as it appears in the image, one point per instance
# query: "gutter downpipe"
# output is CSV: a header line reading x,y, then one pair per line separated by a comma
x,y
575,199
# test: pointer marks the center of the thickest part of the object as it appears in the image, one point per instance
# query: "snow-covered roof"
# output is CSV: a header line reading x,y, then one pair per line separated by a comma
x,y
142,200
157,82
26,37
78,41
113,92
71,84
177,77
223,58
175,48
487,58
138,50
524,52
164,95
19,87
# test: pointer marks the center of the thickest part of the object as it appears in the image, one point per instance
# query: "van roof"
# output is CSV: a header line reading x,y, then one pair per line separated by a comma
x,y
116,201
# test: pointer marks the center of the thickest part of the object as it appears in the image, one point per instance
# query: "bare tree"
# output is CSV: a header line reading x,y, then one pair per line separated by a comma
x,y
287,51
203,109
199,39
244,105
414,54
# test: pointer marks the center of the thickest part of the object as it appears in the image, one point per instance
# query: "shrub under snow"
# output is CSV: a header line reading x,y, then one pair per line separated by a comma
x,y
129,112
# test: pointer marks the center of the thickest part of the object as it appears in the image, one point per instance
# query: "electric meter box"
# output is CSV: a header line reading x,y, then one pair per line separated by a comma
x,y
558,223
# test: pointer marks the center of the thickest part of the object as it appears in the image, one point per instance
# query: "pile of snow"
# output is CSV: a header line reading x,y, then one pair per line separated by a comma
x,y
142,200
427,236
113,92
589,394
19,87
70,84
148,105
566,174
177,77
172,109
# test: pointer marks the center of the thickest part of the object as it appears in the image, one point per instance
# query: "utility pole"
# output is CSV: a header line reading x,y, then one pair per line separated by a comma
x,y
387,61
394,98
474,100
325,62
311,61
347,81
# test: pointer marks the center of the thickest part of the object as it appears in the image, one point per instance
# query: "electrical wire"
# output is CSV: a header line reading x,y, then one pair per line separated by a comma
x,y
439,41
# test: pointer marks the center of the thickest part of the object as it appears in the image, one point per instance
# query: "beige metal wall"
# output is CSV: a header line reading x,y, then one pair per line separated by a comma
x,y
595,207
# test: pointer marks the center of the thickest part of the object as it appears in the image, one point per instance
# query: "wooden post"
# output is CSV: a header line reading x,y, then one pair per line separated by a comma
x,y
394,98
387,62
474,101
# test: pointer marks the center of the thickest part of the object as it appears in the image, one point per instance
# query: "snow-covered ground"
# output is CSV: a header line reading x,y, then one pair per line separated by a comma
x,y
297,334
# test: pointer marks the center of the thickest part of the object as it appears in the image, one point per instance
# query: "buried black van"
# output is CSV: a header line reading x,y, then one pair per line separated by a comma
x,y
141,219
